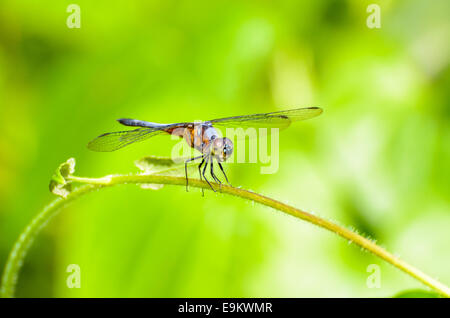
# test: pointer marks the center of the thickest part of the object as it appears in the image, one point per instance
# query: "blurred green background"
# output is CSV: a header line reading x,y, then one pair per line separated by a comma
x,y
376,160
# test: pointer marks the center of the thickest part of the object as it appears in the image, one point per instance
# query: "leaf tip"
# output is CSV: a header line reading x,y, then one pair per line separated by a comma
x,y
59,184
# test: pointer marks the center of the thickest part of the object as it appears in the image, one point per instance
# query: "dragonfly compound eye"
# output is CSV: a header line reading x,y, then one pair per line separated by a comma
x,y
227,148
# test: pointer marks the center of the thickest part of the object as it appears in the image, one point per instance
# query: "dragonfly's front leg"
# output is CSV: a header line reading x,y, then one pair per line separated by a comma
x,y
223,171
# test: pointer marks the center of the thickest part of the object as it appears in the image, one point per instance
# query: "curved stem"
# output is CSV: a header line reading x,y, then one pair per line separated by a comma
x,y
18,253
23,243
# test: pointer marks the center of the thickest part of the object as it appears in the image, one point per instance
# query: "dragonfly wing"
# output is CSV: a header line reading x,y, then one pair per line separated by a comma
x,y
119,139
280,119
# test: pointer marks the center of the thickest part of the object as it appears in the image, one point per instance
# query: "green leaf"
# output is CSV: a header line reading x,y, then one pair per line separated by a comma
x,y
162,166
59,184
417,293
153,164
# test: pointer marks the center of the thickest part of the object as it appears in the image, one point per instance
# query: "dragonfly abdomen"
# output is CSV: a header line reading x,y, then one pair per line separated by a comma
x,y
140,123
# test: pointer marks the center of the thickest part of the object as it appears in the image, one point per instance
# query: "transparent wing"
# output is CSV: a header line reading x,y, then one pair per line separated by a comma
x,y
280,119
119,139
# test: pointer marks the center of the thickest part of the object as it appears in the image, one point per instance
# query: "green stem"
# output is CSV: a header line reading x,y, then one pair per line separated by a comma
x,y
19,251
23,243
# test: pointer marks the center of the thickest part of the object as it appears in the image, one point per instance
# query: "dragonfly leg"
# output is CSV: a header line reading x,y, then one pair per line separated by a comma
x,y
213,175
185,169
204,177
200,173
221,168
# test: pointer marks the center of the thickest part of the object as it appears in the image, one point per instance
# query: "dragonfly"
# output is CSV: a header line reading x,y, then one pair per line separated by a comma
x,y
202,136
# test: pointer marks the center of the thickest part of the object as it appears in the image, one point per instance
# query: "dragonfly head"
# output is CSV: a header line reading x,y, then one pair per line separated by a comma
x,y
222,148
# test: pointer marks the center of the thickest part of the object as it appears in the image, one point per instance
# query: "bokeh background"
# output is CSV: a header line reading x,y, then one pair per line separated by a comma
x,y
376,160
